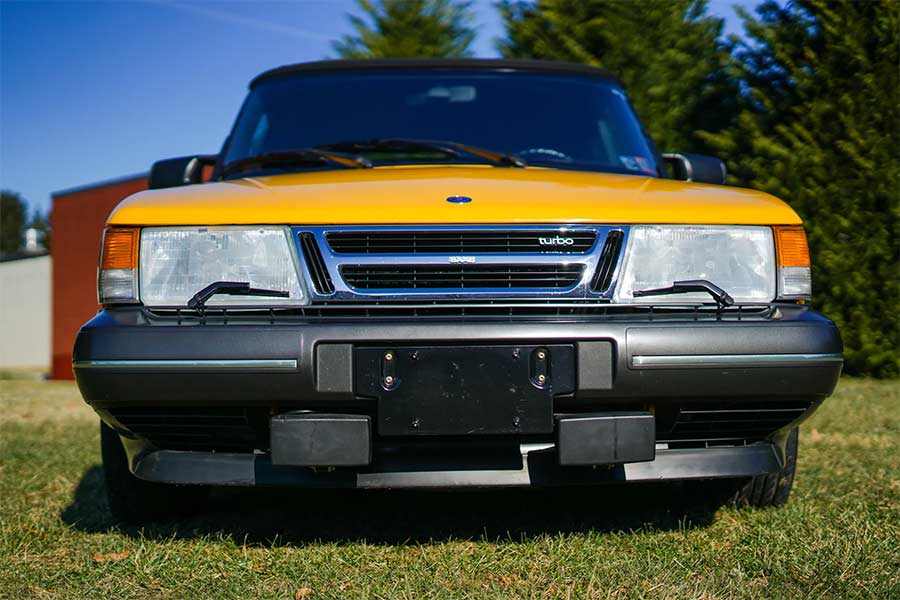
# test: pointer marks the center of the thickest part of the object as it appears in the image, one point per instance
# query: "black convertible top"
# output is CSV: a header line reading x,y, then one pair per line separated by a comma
x,y
468,64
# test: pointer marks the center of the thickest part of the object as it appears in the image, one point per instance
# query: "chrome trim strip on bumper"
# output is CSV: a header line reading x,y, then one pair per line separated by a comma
x,y
187,365
733,360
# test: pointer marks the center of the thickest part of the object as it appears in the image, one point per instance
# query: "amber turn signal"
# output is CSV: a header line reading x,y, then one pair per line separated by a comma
x,y
120,248
793,249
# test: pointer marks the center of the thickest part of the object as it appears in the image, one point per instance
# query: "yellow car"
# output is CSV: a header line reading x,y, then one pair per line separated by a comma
x,y
448,273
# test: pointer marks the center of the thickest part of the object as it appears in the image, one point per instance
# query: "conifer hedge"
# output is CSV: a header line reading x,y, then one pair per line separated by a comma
x,y
806,106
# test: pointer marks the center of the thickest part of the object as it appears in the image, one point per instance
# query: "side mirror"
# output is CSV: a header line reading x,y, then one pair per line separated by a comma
x,y
183,170
696,167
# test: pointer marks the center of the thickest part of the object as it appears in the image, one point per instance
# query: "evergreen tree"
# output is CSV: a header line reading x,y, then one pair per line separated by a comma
x,y
12,222
667,54
819,128
410,28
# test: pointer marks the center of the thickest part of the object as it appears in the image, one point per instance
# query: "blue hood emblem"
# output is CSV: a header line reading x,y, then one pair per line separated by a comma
x,y
459,199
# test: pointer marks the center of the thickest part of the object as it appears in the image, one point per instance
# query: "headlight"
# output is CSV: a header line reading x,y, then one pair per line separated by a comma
x,y
178,262
739,259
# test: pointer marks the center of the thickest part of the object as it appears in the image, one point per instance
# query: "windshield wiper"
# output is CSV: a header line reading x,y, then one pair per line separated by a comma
x,y
500,158
297,157
231,288
413,146
723,300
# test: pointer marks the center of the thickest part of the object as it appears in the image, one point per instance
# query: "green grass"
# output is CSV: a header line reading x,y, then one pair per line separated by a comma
x,y
23,373
838,537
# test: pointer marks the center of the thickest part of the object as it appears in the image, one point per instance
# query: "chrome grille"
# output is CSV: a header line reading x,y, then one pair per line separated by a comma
x,y
559,241
445,263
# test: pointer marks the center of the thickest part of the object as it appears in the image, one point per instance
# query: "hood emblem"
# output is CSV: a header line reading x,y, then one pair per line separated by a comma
x,y
459,199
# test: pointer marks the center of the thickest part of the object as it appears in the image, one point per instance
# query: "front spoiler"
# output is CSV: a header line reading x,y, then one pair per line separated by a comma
x,y
538,468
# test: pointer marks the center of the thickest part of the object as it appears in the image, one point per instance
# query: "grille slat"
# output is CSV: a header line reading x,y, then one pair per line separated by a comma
x,y
609,258
461,277
173,428
316,264
490,310
743,422
169,426
474,242
738,411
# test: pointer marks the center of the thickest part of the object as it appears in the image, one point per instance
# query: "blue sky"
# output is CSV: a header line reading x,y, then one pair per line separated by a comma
x,y
93,90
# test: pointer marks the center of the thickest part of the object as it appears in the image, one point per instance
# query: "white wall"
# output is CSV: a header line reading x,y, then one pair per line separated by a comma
x,y
25,312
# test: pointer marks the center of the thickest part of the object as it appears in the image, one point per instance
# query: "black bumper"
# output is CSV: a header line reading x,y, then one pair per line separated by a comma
x,y
612,358
723,368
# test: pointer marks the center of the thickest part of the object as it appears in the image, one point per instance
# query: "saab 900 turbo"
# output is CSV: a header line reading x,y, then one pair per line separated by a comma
x,y
448,273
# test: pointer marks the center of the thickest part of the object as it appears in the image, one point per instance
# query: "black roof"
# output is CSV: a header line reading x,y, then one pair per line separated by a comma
x,y
434,63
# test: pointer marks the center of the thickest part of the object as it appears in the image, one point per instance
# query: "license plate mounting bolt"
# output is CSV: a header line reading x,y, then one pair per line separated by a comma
x,y
389,378
540,367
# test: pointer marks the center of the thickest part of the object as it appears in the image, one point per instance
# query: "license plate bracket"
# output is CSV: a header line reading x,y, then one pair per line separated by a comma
x,y
465,390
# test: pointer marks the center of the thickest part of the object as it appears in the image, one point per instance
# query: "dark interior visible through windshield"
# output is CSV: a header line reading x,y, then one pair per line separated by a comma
x,y
546,119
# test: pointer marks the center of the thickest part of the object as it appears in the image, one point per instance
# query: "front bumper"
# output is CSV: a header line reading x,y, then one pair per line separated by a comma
x,y
778,368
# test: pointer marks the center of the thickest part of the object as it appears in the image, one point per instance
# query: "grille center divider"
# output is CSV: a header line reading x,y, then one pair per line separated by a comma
x,y
369,277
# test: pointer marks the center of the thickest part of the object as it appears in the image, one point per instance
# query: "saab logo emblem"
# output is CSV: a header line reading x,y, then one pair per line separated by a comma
x,y
556,241
459,260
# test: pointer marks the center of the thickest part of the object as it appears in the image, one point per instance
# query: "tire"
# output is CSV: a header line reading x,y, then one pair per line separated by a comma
x,y
133,500
773,489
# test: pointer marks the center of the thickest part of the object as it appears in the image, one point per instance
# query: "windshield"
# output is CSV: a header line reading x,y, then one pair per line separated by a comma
x,y
552,120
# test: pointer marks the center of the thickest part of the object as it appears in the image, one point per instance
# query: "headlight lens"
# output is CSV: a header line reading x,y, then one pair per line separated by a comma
x,y
740,260
176,263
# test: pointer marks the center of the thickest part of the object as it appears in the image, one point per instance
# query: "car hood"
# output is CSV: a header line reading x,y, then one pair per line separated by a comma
x,y
418,195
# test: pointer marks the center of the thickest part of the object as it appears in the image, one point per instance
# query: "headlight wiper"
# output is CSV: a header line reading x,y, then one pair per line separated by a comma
x,y
297,157
232,288
411,146
723,300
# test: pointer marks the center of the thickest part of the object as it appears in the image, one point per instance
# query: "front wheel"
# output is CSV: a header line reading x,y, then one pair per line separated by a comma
x,y
134,500
772,489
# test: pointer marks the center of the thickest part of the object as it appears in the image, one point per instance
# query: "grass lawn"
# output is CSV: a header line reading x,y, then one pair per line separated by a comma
x,y
838,537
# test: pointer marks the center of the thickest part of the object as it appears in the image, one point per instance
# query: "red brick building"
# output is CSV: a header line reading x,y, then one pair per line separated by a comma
x,y
77,218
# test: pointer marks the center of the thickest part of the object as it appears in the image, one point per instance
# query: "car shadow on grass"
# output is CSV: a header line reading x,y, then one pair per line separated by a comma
x,y
293,516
